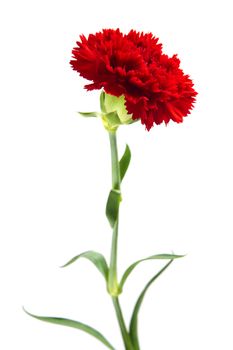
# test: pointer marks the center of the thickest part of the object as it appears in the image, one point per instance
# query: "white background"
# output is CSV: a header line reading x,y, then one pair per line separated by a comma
x,y
55,178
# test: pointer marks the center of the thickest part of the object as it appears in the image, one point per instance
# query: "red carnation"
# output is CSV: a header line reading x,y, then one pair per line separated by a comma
x,y
133,65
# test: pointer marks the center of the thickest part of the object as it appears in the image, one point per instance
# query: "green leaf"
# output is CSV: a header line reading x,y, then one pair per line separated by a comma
x,y
112,206
74,324
88,114
96,258
124,162
156,257
133,329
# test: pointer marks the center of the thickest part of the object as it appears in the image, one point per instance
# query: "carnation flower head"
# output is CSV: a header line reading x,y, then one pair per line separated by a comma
x,y
154,86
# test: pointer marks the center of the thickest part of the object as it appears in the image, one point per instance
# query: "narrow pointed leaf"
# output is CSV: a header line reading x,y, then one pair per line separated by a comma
x,y
112,206
74,324
96,258
153,257
133,329
88,114
124,162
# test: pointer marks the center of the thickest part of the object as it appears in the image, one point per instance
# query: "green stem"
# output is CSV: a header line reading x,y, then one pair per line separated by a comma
x,y
113,286
116,178
124,332
116,182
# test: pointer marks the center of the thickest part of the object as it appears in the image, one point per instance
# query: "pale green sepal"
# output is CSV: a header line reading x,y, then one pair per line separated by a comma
x,y
112,206
133,121
74,324
89,114
102,102
96,258
111,121
124,162
117,104
133,329
156,257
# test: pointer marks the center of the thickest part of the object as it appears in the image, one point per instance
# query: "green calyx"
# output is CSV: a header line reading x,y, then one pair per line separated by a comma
x,y
113,112
116,104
